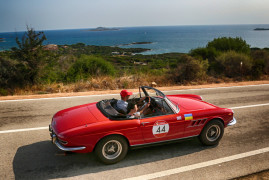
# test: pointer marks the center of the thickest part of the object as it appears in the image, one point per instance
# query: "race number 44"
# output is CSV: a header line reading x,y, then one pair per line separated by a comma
x,y
160,129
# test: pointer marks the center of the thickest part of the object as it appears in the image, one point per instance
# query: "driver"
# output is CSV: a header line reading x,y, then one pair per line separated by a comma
x,y
123,104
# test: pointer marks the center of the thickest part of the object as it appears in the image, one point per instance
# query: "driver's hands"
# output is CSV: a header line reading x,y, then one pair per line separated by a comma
x,y
148,104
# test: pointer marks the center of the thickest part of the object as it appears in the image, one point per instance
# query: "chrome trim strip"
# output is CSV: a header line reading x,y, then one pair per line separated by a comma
x,y
232,122
68,148
168,101
163,141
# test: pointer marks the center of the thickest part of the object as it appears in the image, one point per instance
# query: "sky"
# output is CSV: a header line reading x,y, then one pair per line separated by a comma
x,y
75,14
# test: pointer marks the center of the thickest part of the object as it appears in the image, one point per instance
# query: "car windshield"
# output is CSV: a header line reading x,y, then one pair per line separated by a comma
x,y
152,92
149,91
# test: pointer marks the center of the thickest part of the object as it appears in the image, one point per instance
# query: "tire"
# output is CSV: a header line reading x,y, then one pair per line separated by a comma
x,y
212,133
111,149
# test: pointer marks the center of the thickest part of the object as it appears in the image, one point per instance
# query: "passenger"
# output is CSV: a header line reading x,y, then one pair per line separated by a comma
x,y
123,104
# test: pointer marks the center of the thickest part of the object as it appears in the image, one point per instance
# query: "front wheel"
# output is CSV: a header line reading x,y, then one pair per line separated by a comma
x,y
111,149
212,133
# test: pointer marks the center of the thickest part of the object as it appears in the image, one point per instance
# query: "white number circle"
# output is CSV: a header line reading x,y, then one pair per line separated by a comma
x,y
160,129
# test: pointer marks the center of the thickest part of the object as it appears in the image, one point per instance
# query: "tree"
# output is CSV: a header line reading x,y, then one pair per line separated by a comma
x,y
30,54
225,44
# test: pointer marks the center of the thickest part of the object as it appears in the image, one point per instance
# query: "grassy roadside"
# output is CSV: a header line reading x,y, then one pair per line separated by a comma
x,y
117,91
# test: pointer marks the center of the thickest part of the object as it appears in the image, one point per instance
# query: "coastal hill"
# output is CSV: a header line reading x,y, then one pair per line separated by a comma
x,y
103,29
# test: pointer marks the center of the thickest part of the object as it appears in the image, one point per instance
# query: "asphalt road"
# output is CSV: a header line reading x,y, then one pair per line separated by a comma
x,y
30,154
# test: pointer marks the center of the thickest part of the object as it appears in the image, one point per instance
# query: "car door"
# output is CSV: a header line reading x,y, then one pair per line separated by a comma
x,y
162,128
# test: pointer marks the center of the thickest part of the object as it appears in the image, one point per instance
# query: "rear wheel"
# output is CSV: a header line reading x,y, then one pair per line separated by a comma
x,y
111,149
212,133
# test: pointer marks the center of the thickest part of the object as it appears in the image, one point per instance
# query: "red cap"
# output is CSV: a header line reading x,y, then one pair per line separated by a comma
x,y
125,93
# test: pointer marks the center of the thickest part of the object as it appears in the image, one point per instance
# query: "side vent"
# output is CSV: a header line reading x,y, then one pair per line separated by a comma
x,y
198,122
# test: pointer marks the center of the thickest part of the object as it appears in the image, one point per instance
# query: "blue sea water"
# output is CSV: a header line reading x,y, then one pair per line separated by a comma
x,y
164,39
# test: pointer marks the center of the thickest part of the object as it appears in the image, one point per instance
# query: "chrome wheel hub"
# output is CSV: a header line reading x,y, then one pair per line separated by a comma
x,y
112,149
213,133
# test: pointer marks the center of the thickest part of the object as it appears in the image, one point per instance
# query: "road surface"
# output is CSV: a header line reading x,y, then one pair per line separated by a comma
x,y
27,153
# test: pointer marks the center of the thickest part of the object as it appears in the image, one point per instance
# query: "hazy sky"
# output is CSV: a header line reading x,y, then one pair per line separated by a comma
x,y
72,14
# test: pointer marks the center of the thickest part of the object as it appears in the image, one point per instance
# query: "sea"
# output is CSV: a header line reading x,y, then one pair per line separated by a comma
x,y
164,39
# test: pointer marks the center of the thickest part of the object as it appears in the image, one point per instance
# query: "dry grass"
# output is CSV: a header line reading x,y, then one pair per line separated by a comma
x,y
108,85
100,83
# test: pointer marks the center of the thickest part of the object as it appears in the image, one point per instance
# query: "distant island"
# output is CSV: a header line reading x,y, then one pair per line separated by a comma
x,y
133,43
261,29
103,29
2,39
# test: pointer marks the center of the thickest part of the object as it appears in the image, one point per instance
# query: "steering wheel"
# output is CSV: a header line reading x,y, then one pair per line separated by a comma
x,y
147,100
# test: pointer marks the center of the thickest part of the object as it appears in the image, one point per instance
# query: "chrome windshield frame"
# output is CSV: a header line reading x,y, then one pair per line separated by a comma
x,y
174,107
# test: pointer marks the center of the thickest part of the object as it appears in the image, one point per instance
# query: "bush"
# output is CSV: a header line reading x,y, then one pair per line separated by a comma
x,y
261,60
218,46
205,53
257,68
89,66
225,44
235,64
190,69
9,73
3,92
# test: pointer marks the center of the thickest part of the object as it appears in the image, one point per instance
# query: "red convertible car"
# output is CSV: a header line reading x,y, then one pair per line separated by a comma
x,y
100,128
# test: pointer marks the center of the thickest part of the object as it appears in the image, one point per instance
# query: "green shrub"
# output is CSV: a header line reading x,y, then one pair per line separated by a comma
x,y
261,60
10,75
235,64
225,44
89,66
3,92
257,68
190,69
205,53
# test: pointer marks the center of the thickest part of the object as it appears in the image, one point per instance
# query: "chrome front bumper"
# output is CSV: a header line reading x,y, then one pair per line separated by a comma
x,y
68,148
55,141
232,122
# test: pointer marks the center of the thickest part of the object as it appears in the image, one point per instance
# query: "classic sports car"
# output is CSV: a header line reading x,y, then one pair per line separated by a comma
x,y
99,127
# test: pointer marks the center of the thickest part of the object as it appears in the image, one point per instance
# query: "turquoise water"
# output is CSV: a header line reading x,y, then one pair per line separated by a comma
x,y
164,39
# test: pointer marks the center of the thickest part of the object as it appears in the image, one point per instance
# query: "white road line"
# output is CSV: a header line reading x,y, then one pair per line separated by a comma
x,y
41,128
200,165
69,97
219,87
21,130
256,105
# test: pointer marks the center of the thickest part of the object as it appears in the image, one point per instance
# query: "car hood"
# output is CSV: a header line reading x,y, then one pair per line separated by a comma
x,y
74,117
192,104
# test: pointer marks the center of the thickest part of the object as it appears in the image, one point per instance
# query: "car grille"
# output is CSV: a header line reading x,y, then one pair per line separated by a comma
x,y
54,137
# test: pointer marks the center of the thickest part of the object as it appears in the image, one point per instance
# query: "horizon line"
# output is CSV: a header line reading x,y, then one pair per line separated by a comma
x,y
129,27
